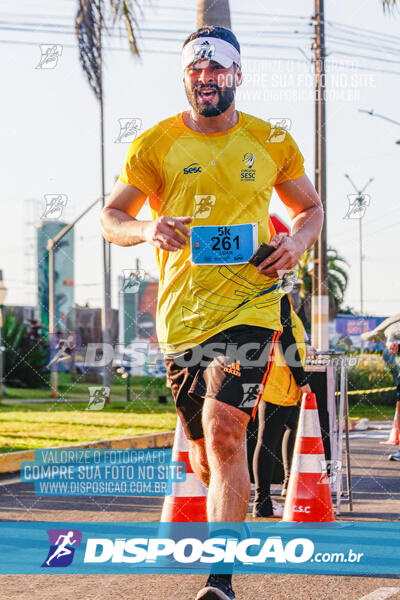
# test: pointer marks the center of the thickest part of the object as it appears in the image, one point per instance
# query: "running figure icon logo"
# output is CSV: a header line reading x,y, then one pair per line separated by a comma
x,y
55,204
251,391
50,53
203,204
131,280
358,204
98,397
128,130
62,547
279,128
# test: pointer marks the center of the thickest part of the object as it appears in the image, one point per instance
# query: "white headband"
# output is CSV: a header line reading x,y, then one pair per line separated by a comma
x,y
210,48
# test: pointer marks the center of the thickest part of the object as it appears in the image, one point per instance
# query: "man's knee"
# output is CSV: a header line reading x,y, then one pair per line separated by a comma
x,y
225,435
198,455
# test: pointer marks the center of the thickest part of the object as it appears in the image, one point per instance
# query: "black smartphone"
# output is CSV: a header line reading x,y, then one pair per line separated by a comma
x,y
262,252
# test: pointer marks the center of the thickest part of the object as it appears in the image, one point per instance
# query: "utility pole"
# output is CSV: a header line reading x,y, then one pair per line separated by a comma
x,y
320,290
106,303
213,12
357,210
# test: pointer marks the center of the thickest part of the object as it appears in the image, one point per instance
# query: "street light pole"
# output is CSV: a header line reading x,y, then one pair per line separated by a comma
x,y
52,320
320,290
106,304
51,247
360,204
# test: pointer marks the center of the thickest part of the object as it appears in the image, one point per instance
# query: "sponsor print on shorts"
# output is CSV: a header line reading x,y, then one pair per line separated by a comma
x,y
233,368
250,394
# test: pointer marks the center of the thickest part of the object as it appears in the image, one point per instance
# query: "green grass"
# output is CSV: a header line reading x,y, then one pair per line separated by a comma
x,y
373,413
29,426
144,386
25,426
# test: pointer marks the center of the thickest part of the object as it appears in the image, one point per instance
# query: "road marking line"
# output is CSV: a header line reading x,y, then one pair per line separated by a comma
x,y
381,593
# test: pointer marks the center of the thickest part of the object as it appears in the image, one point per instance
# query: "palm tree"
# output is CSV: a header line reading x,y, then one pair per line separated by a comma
x,y
389,5
90,22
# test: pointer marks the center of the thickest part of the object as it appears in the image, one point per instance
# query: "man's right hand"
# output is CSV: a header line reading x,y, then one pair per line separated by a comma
x,y
167,232
394,348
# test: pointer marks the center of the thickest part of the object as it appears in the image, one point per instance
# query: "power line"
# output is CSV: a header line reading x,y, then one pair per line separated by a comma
x,y
370,32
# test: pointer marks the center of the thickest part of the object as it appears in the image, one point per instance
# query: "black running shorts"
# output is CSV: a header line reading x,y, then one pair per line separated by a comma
x,y
231,366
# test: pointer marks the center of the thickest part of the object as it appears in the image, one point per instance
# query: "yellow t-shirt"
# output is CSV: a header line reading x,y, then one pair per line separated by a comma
x,y
171,164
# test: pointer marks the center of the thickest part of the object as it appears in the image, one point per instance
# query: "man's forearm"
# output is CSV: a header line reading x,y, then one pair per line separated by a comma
x,y
122,229
307,226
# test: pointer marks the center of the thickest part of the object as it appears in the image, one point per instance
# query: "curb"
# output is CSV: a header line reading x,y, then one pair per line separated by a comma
x,y
10,462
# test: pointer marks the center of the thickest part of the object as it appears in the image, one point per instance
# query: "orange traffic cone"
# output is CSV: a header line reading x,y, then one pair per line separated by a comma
x,y
308,496
188,499
394,434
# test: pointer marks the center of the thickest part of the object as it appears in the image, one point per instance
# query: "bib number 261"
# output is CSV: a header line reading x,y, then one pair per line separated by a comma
x,y
224,241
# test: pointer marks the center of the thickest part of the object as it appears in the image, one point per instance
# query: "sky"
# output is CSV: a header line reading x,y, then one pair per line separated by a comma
x,y
49,120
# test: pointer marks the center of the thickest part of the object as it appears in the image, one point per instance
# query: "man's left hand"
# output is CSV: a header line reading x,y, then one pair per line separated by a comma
x,y
285,257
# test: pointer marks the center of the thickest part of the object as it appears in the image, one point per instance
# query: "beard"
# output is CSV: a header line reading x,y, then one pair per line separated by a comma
x,y
211,109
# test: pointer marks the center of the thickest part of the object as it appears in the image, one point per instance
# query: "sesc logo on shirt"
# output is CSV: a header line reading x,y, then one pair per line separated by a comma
x,y
248,174
192,168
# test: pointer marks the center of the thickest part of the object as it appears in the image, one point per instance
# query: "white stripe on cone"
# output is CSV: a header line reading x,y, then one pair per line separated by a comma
x,y
181,443
192,486
309,427
309,463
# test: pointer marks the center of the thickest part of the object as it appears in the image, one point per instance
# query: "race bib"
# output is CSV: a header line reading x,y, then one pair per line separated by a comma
x,y
223,244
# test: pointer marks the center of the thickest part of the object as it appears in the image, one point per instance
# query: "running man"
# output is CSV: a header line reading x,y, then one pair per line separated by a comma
x,y
62,549
218,317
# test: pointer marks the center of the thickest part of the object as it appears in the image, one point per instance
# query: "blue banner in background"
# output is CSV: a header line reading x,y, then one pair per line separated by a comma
x,y
249,548
81,472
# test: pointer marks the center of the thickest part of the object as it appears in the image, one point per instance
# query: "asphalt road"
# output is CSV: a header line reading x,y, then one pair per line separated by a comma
x,y
376,493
